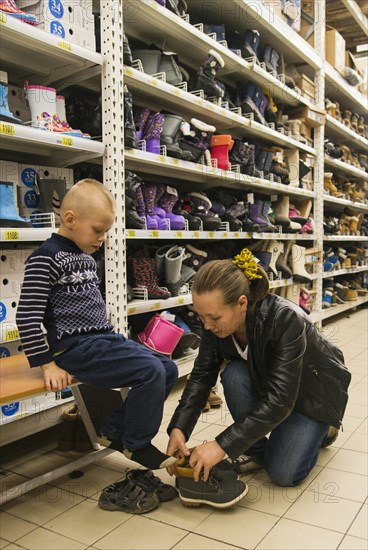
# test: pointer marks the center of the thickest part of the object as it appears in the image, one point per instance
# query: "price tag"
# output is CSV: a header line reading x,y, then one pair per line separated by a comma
x,y
12,235
161,158
132,233
196,234
155,234
179,234
66,141
224,235
65,45
180,301
7,129
211,234
131,310
128,71
278,236
157,305
236,235
153,82
3,18
12,334
175,162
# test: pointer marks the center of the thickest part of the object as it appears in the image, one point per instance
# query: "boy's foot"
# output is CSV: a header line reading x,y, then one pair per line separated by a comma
x,y
151,484
221,490
150,457
243,465
127,497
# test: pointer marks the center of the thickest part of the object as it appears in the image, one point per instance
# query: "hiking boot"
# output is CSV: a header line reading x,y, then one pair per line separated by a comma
x,y
128,497
330,437
214,400
151,484
221,490
243,465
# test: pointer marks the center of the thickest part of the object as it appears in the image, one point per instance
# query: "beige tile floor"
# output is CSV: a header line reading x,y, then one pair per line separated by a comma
x,y
329,510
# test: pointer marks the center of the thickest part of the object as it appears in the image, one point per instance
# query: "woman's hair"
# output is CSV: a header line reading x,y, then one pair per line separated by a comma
x,y
227,278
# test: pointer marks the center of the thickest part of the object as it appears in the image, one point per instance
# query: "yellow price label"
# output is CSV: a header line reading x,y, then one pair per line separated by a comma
x,y
155,234
7,129
131,310
157,305
161,158
132,233
180,301
196,234
278,236
128,71
175,162
12,235
66,141
12,334
236,235
3,18
224,235
211,234
65,45
179,234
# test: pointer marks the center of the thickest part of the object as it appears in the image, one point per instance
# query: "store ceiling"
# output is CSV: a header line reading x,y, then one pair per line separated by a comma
x,y
341,19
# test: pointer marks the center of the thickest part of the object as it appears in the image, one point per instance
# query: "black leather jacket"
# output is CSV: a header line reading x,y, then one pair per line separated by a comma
x,y
293,367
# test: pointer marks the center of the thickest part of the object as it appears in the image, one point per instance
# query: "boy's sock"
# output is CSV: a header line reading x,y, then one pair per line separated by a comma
x,y
150,457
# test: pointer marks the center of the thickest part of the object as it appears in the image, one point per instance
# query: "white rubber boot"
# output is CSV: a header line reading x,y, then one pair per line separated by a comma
x,y
42,103
297,263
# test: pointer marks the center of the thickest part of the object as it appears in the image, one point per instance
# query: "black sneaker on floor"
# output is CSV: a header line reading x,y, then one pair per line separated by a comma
x,y
242,465
151,484
125,496
221,490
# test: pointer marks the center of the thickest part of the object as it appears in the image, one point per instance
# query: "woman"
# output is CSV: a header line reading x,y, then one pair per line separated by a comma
x,y
282,377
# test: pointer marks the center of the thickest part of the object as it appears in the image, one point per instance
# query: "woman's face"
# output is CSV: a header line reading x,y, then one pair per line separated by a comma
x,y
223,320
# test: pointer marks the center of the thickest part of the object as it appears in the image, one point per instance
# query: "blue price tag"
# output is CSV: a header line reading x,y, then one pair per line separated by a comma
x,y
2,311
9,410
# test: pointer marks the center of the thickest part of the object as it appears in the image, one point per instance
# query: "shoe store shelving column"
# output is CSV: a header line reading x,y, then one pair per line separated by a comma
x,y
113,162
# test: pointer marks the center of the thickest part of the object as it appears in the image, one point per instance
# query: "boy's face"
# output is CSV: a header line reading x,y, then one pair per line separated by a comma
x,y
90,232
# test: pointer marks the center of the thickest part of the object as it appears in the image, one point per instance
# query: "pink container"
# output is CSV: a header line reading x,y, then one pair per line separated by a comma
x,y
161,335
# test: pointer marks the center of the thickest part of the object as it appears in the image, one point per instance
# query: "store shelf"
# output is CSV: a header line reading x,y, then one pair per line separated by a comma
x,y
338,89
145,306
328,199
350,271
46,147
345,167
336,310
213,235
185,364
148,90
206,176
337,131
192,45
25,234
29,53
352,238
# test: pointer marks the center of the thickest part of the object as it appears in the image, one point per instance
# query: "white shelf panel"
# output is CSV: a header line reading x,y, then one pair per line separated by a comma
x,y
360,238
359,269
337,130
207,176
144,306
328,199
345,167
48,146
31,52
154,21
185,364
338,89
25,234
335,310
151,90
186,235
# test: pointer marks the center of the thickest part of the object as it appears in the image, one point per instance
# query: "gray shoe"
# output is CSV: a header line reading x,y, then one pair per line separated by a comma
x,y
126,496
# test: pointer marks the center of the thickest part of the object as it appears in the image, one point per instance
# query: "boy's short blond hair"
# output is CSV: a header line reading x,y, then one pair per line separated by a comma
x,y
87,194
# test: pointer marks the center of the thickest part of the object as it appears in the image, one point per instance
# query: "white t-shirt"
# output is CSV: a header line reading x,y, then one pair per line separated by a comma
x,y
243,353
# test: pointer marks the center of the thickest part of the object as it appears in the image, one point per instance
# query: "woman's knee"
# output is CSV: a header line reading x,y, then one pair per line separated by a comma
x,y
285,476
235,371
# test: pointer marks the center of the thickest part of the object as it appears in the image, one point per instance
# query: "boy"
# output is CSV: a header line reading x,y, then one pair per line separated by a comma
x,y
60,290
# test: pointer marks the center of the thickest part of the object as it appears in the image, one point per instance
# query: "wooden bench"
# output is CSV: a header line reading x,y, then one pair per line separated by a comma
x,y
17,382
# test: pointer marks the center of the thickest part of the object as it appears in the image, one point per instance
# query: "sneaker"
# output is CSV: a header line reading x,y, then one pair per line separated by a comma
x,y
330,437
214,400
126,496
221,490
151,484
242,465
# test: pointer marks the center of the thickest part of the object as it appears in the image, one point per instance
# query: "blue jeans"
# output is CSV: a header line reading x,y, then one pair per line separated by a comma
x,y
112,361
293,446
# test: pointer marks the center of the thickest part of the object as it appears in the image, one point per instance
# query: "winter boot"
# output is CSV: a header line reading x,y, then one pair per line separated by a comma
x,y
297,263
207,73
173,265
264,258
304,300
9,216
197,139
220,147
167,202
241,153
151,222
257,216
149,191
150,59
52,192
169,66
9,7
170,137
152,133
130,137
281,264
61,113
133,220
252,102
140,119
145,276
271,59
68,430
218,30
181,209
127,52
194,257
201,208
330,186
251,44
275,248
5,114
42,103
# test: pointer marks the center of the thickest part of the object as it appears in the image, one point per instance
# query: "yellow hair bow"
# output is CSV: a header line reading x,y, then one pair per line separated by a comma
x,y
248,264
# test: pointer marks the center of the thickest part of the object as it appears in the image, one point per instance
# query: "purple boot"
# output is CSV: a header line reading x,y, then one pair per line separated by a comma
x,y
167,201
140,119
141,209
152,132
257,217
149,193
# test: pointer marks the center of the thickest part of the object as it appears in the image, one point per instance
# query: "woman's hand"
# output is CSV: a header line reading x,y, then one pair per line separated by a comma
x,y
206,456
176,446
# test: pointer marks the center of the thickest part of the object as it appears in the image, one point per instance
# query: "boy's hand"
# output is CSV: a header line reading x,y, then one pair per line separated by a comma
x,y
177,446
56,379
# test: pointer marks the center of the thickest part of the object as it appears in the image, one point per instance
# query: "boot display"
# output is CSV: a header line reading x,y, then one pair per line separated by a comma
x,y
152,132
196,139
170,137
167,202
151,195
220,147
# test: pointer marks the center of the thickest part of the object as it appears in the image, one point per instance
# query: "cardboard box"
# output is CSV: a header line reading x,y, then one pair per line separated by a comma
x,y
313,116
307,86
335,49
306,130
9,172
